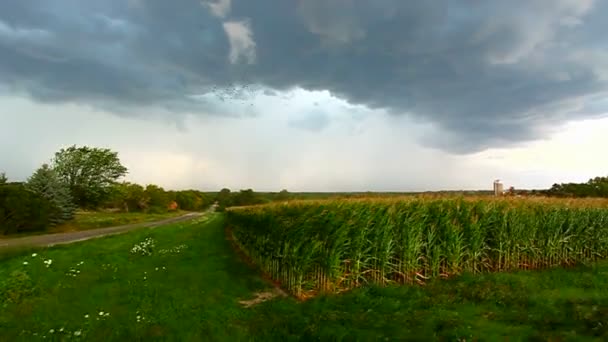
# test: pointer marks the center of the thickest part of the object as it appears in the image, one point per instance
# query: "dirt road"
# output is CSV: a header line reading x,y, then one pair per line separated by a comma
x,y
64,238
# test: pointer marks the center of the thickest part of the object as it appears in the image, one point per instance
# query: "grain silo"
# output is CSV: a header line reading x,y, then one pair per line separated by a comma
x,y
498,188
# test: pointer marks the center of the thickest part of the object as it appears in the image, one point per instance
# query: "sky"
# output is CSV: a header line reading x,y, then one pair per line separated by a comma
x,y
310,95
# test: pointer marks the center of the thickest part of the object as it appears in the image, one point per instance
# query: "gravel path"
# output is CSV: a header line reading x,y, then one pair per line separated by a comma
x,y
64,238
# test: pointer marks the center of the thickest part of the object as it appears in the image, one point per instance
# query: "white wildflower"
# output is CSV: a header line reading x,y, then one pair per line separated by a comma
x,y
61,330
86,316
144,248
25,262
77,333
100,313
34,255
52,331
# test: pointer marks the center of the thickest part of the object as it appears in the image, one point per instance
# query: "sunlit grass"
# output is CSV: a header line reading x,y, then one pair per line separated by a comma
x,y
101,219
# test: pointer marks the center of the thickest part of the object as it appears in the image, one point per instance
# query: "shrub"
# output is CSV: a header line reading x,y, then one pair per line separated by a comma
x,y
22,210
16,287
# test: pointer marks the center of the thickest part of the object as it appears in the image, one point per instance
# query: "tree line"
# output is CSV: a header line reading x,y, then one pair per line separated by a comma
x,y
227,198
595,187
86,178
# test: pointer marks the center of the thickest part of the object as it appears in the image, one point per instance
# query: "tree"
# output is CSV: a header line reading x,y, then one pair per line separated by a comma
x,y
89,172
283,195
158,199
22,210
47,184
246,197
3,178
127,197
191,200
224,197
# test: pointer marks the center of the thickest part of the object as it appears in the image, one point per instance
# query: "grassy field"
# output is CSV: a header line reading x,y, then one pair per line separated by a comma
x,y
189,284
84,220
100,219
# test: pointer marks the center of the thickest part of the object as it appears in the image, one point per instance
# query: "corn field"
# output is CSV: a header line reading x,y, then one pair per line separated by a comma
x,y
335,245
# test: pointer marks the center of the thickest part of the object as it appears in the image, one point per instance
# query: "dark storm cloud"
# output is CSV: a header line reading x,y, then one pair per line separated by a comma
x,y
486,72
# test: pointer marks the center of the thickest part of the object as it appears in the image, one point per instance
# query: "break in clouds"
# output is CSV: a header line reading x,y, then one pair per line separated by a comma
x,y
485,73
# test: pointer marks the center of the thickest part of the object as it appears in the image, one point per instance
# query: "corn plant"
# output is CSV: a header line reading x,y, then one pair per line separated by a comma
x,y
334,245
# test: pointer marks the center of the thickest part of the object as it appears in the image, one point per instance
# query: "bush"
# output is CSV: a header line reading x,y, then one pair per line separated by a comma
x,y
16,287
22,210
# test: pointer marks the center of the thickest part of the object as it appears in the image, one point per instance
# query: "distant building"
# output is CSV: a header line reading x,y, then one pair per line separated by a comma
x,y
498,188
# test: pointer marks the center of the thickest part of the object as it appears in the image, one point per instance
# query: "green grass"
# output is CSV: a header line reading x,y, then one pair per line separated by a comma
x,y
84,220
101,219
195,297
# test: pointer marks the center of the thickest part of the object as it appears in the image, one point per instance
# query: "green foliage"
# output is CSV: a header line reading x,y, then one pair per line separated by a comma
x,y
157,199
89,172
191,200
152,298
226,198
3,179
100,219
312,247
129,197
16,287
22,210
595,187
47,184
283,195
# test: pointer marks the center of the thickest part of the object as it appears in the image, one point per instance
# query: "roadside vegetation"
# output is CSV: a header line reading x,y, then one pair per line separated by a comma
x,y
84,220
81,179
184,282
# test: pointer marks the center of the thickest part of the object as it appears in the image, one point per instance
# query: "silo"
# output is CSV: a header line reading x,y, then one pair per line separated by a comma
x,y
498,188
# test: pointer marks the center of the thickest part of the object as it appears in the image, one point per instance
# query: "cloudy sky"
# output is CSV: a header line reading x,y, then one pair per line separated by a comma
x,y
310,95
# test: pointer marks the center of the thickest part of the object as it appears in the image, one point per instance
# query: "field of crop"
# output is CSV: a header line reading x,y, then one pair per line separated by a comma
x,y
183,282
335,245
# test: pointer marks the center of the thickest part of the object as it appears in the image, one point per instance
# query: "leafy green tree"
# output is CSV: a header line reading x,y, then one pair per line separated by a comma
x,y
192,200
189,200
128,197
3,178
595,187
22,210
224,197
283,195
89,172
246,197
158,199
46,183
